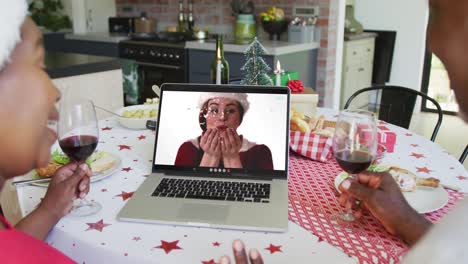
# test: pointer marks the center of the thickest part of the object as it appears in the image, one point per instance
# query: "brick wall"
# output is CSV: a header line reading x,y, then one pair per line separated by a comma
x,y
218,12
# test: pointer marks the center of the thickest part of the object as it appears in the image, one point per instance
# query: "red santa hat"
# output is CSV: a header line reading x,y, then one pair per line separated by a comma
x,y
240,97
12,16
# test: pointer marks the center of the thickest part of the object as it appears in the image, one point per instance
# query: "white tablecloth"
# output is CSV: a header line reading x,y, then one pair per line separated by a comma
x,y
102,239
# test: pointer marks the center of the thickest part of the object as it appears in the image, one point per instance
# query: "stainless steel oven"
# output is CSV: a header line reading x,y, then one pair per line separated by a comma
x,y
157,63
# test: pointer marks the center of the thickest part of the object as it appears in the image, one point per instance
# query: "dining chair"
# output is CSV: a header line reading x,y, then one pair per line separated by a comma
x,y
395,106
463,155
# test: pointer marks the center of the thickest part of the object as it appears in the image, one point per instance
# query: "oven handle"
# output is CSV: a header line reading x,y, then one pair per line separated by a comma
x,y
157,65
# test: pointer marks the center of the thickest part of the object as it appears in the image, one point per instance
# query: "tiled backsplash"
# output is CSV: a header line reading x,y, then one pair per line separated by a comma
x,y
217,13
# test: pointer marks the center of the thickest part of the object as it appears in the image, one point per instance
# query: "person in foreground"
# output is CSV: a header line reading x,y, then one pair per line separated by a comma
x,y
444,242
27,105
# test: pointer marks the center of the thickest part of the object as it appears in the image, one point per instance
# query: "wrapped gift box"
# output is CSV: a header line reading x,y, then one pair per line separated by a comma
x,y
305,102
285,77
385,137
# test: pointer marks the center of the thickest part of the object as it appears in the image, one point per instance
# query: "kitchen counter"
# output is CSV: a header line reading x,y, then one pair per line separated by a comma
x,y
60,64
97,37
274,48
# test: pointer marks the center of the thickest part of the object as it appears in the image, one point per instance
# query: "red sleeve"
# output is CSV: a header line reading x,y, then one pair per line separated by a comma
x,y
18,247
187,155
258,157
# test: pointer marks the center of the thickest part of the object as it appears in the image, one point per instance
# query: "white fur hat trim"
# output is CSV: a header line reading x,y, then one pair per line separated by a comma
x,y
240,97
12,15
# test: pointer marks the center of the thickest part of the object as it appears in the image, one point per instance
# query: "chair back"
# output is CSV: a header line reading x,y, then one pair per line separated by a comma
x,y
464,154
396,105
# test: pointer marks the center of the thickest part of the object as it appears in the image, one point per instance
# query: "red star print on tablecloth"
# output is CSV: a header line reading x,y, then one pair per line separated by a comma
x,y
169,246
417,155
141,137
272,248
408,134
136,239
125,195
424,169
127,169
104,190
211,261
414,145
99,226
106,128
216,244
462,178
122,147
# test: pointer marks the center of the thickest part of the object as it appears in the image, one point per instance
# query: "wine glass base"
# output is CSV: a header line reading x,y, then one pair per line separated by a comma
x,y
85,209
347,217
344,221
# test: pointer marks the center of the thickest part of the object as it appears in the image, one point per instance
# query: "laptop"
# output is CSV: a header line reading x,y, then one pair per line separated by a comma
x,y
220,159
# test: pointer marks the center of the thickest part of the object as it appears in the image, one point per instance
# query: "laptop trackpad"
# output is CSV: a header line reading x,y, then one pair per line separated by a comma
x,y
203,212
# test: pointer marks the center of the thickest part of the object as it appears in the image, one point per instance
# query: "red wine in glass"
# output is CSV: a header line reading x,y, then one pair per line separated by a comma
x,y
80,147
354,145
353,162
78,133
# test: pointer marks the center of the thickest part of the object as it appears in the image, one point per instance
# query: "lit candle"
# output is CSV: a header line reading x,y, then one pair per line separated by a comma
x,y
218,72
278,73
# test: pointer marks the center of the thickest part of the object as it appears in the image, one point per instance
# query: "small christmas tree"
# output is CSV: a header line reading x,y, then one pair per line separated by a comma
x,y
255,69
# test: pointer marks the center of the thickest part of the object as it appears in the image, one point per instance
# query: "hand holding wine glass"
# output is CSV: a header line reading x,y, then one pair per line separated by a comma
x,y
355,144
78,137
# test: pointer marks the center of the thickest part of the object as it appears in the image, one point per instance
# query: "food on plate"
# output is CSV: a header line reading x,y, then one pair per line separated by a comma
x,y
305,124
151,101
140,113
98,162
49,170
408,181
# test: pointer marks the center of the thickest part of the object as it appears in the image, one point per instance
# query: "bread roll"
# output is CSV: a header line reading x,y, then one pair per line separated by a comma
x,y
297,124
404,178
428,182
105,162
408,181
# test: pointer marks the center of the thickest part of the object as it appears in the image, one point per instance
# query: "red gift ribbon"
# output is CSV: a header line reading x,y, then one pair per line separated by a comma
x,y
296,86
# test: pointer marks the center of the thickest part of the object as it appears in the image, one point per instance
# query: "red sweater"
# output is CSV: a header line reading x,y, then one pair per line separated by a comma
x,y
257,157
18,247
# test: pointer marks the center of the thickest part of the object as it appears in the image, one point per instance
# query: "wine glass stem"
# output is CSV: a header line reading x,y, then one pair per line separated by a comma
x,y
349,215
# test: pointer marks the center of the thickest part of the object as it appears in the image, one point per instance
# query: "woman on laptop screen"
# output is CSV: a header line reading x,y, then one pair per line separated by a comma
x,y
219,144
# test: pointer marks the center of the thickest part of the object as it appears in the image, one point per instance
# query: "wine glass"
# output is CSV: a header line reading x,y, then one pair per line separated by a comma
x,y
354,144
78,134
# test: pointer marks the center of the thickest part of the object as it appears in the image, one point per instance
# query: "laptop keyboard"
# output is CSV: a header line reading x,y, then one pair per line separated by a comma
x,y
213,190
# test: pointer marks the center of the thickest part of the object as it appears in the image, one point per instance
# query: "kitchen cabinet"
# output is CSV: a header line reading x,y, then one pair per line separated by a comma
x,y
92,15
358,60
72,43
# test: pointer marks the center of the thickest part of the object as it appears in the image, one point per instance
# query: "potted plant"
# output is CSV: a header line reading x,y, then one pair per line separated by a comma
x,y
47,14
274,22
245,30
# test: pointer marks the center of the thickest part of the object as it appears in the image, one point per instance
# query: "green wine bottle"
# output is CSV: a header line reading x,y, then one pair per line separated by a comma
x,y
219,66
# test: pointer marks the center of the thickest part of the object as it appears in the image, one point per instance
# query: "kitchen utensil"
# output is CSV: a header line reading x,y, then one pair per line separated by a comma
x,y
143,24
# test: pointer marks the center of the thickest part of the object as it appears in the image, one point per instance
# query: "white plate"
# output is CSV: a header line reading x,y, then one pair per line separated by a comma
x,y
423,200
98,177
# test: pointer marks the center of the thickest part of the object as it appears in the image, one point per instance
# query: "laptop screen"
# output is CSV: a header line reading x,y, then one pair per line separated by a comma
x,y
222,130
